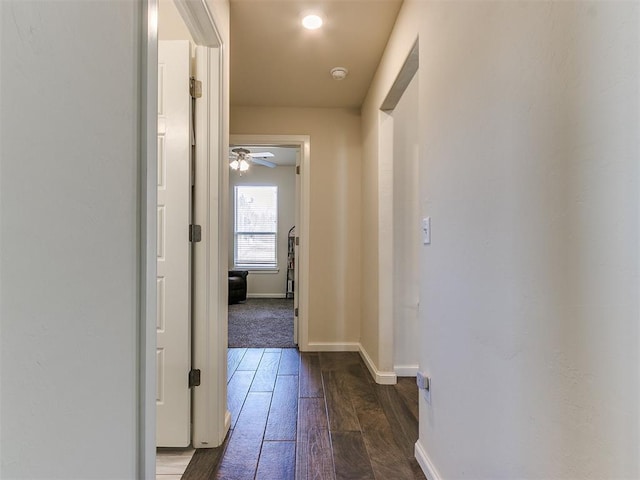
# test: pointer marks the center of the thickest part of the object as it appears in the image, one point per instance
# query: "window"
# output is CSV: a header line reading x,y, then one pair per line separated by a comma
x,y
256,226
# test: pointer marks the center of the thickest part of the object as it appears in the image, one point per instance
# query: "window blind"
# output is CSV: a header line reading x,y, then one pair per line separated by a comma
x,y
256,226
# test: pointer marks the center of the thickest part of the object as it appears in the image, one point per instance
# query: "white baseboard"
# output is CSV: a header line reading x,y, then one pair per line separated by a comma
x,y
425,463
383,378
406,370
333,347
266,295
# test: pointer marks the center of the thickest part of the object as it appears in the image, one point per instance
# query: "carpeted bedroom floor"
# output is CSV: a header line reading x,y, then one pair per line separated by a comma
x,y
261,323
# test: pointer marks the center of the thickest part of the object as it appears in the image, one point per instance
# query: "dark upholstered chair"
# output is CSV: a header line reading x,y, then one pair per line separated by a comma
x,y
237,286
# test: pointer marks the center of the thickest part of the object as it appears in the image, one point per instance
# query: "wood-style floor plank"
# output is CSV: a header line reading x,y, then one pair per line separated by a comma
x,y
342,416
237,392
350,456
277,461
406,429
283,414
310,375
203,463
338,360
382,420
387,458
320,464
407,389
314,458
240,461
234,357
265,377
251,359
289,362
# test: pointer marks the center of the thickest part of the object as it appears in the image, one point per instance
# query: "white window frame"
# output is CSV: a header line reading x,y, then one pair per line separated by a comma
x,y
266,267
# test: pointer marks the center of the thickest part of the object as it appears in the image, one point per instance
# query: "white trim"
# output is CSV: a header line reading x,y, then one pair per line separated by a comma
x,y
425,463
382,378
209,299
199,21
266,295
147,205
406,370
209,414
333,347
386,258
303,142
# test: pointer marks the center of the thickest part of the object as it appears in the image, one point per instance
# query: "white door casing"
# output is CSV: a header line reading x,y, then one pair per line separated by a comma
x,y
173,399
296,271
211,420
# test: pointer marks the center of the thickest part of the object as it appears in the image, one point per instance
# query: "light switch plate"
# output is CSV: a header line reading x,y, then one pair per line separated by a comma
x,y
426,230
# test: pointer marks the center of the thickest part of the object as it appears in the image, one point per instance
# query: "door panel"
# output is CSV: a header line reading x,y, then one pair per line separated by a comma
x,y
173,322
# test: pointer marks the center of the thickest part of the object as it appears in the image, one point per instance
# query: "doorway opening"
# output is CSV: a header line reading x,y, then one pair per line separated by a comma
x,y
274,255
399,222
262,250
198,349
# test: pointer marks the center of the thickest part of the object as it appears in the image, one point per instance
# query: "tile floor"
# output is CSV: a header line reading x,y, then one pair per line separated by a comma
x,y
172,462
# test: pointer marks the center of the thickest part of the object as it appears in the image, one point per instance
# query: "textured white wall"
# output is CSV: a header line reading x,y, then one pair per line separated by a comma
x,y
406,230
69,150
529,120
268,283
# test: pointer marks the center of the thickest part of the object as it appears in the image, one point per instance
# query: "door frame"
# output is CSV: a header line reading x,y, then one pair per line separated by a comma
x,y
303,143
212,351
210,418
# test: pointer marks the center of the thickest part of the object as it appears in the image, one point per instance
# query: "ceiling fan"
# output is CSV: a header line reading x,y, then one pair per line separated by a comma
x,y
241,157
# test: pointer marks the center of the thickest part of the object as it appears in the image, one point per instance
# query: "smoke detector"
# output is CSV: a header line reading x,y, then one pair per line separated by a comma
x,y
339,73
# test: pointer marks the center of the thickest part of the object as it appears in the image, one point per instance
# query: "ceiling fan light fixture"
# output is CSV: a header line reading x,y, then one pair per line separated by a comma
x,y
244,165
339,73
234,165
312,22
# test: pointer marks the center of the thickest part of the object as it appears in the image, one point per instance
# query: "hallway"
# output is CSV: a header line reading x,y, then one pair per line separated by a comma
x,y
312,416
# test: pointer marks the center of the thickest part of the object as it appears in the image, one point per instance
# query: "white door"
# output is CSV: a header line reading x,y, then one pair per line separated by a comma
x,y
173,324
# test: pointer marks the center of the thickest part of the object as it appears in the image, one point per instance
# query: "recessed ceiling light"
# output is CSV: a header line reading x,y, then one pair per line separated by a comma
x,y
312,22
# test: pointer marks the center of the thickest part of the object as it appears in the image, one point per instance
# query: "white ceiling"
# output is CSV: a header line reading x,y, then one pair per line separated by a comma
x,y
276,62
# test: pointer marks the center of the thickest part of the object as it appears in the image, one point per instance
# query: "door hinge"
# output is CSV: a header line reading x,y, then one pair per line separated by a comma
x,y
195,88
298,169
194,378
195,233
295,312
297,241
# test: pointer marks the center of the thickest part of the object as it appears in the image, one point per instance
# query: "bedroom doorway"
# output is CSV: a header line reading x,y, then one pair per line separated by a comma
x,y
277,289
263,192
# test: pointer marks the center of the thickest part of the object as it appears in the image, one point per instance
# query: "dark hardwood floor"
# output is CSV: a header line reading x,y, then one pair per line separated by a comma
x,y
312,416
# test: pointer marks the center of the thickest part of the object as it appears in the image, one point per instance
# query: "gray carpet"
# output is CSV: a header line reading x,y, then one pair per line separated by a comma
x,y
261,323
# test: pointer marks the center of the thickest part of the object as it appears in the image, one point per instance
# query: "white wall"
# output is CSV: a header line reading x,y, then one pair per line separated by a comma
x,y
529,120
170,23
268,284
406,231
69,186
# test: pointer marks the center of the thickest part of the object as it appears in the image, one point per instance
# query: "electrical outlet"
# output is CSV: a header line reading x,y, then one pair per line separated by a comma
x,y
423,381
